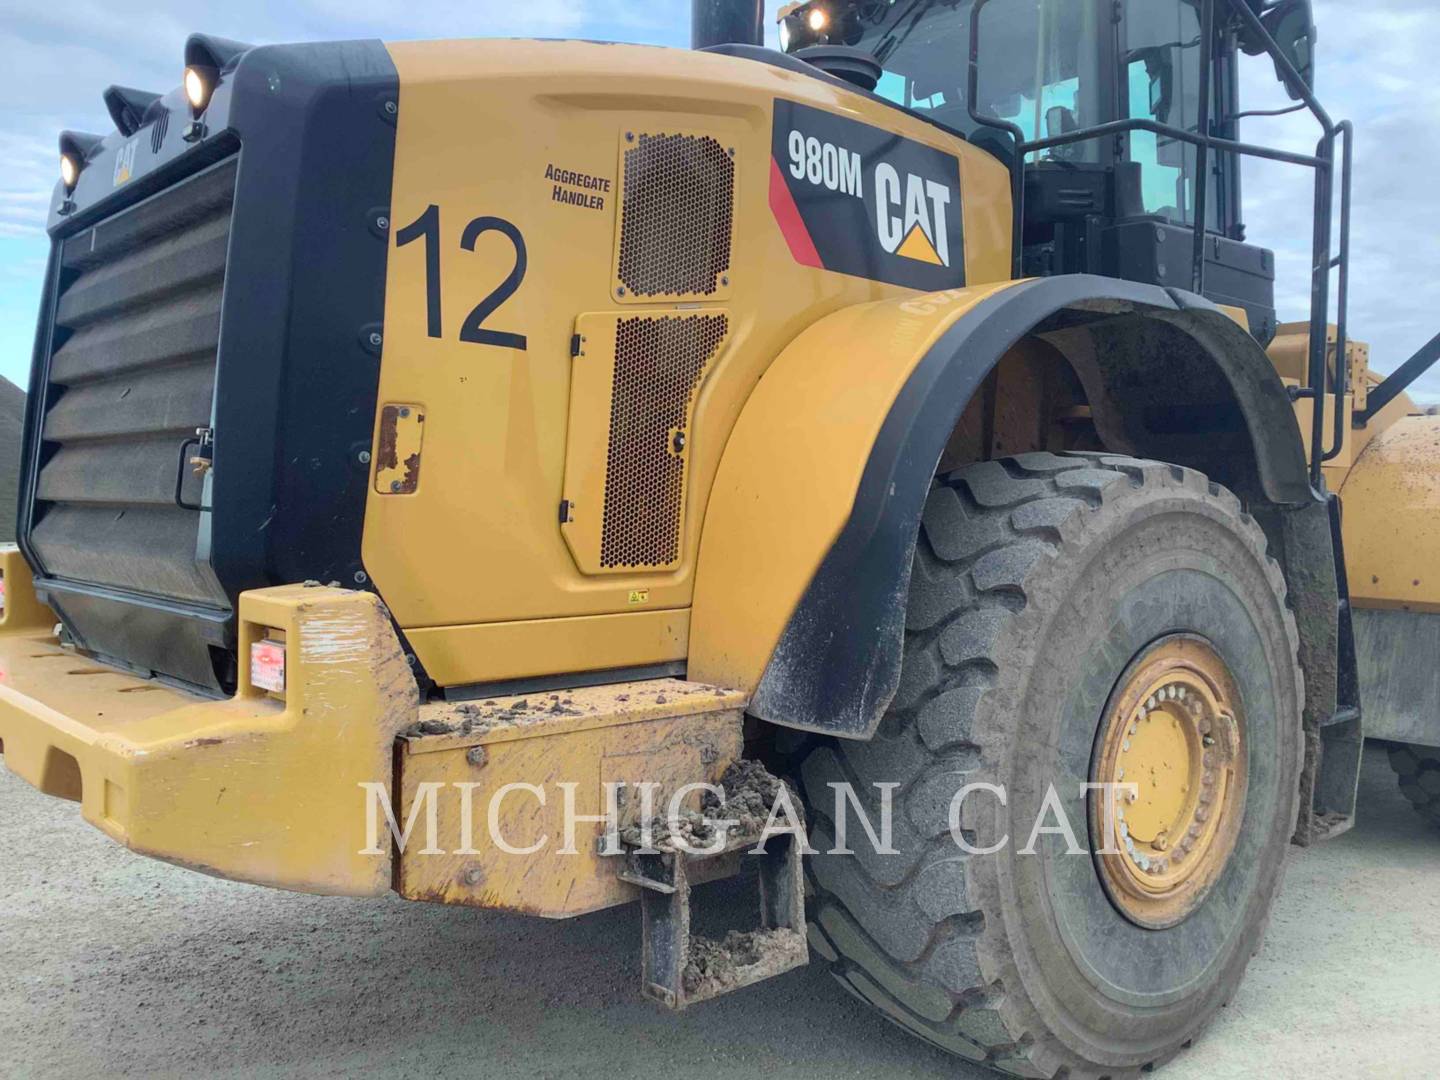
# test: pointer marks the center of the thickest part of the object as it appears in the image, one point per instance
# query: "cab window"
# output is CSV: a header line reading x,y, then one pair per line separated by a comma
x,y
1040,67
1162,83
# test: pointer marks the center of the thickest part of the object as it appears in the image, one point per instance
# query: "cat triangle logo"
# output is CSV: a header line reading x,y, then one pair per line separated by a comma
x,y
911,215
917,246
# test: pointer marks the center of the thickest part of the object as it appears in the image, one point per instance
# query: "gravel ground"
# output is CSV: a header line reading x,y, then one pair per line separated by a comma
x,y
114,963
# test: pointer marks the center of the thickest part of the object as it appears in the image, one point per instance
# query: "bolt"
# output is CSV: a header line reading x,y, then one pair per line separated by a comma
x,y
1162,842
725,280
375,339
382,223
395,485
679,441
361,577
473,876
477,756
629,136
391,108
620,291
363,457
404,414
1208,741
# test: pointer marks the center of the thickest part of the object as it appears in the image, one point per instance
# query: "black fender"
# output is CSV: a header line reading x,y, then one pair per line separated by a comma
x,y
1160,357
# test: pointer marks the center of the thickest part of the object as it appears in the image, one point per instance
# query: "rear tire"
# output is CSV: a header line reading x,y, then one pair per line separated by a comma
x,y
1036,581
1418,770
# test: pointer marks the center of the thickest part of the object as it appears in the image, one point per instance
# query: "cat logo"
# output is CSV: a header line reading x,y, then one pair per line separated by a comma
x,y
910,216
856,199
125,163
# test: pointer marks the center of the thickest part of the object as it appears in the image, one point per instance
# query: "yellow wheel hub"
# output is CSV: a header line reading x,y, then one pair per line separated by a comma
x,y
1171,753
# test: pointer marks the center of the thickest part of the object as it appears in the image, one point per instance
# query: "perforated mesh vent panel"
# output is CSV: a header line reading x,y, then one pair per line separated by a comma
x,y
659,363
679,195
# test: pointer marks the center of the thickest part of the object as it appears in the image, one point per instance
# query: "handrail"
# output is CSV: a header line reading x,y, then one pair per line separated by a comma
x,y
1342,299
1323,162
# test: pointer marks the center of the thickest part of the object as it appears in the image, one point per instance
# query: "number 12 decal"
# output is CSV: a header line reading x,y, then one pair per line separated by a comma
x,y
427,227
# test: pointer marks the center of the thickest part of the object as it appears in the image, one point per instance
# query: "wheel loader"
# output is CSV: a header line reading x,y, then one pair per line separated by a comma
x,y
441,456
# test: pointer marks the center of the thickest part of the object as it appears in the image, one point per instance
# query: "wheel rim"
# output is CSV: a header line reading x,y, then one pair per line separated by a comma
x,y
1171,750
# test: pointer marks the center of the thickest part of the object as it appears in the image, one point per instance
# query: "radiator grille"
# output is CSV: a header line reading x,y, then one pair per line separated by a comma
x,y
679,200
659,363
132,375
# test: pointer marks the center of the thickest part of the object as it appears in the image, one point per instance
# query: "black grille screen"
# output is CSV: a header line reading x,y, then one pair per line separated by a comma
x,y
132,375
659,364
679,213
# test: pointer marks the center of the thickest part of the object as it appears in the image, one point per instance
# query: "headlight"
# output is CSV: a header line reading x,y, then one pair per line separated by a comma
x,y
198,85
818,20
69,171
785,35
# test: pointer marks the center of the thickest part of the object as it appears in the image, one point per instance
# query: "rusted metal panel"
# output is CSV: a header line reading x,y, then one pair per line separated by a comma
x,y
397,449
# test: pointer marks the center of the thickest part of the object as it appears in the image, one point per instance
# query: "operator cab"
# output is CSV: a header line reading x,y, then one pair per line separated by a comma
x,y
1122,205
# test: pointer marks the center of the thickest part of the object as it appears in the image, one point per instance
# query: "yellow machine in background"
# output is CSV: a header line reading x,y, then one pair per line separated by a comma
x,y
432,446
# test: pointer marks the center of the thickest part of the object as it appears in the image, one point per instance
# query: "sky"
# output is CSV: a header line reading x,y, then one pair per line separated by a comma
x,y
1376,67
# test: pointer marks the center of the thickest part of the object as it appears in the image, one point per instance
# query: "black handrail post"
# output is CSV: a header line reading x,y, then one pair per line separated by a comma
x,y
1202,149
1319,372
1342,294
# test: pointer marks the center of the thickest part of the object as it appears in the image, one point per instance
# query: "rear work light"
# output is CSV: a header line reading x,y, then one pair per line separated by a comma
x,y
267,665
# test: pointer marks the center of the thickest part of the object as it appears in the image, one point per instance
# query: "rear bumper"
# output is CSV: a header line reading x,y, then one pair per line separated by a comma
x,y
257,788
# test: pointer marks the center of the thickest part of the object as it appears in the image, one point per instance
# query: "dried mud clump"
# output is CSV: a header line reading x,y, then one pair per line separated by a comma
x,y
715,967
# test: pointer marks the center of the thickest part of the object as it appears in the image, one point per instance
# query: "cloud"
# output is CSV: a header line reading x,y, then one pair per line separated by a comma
x,y
1374,66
